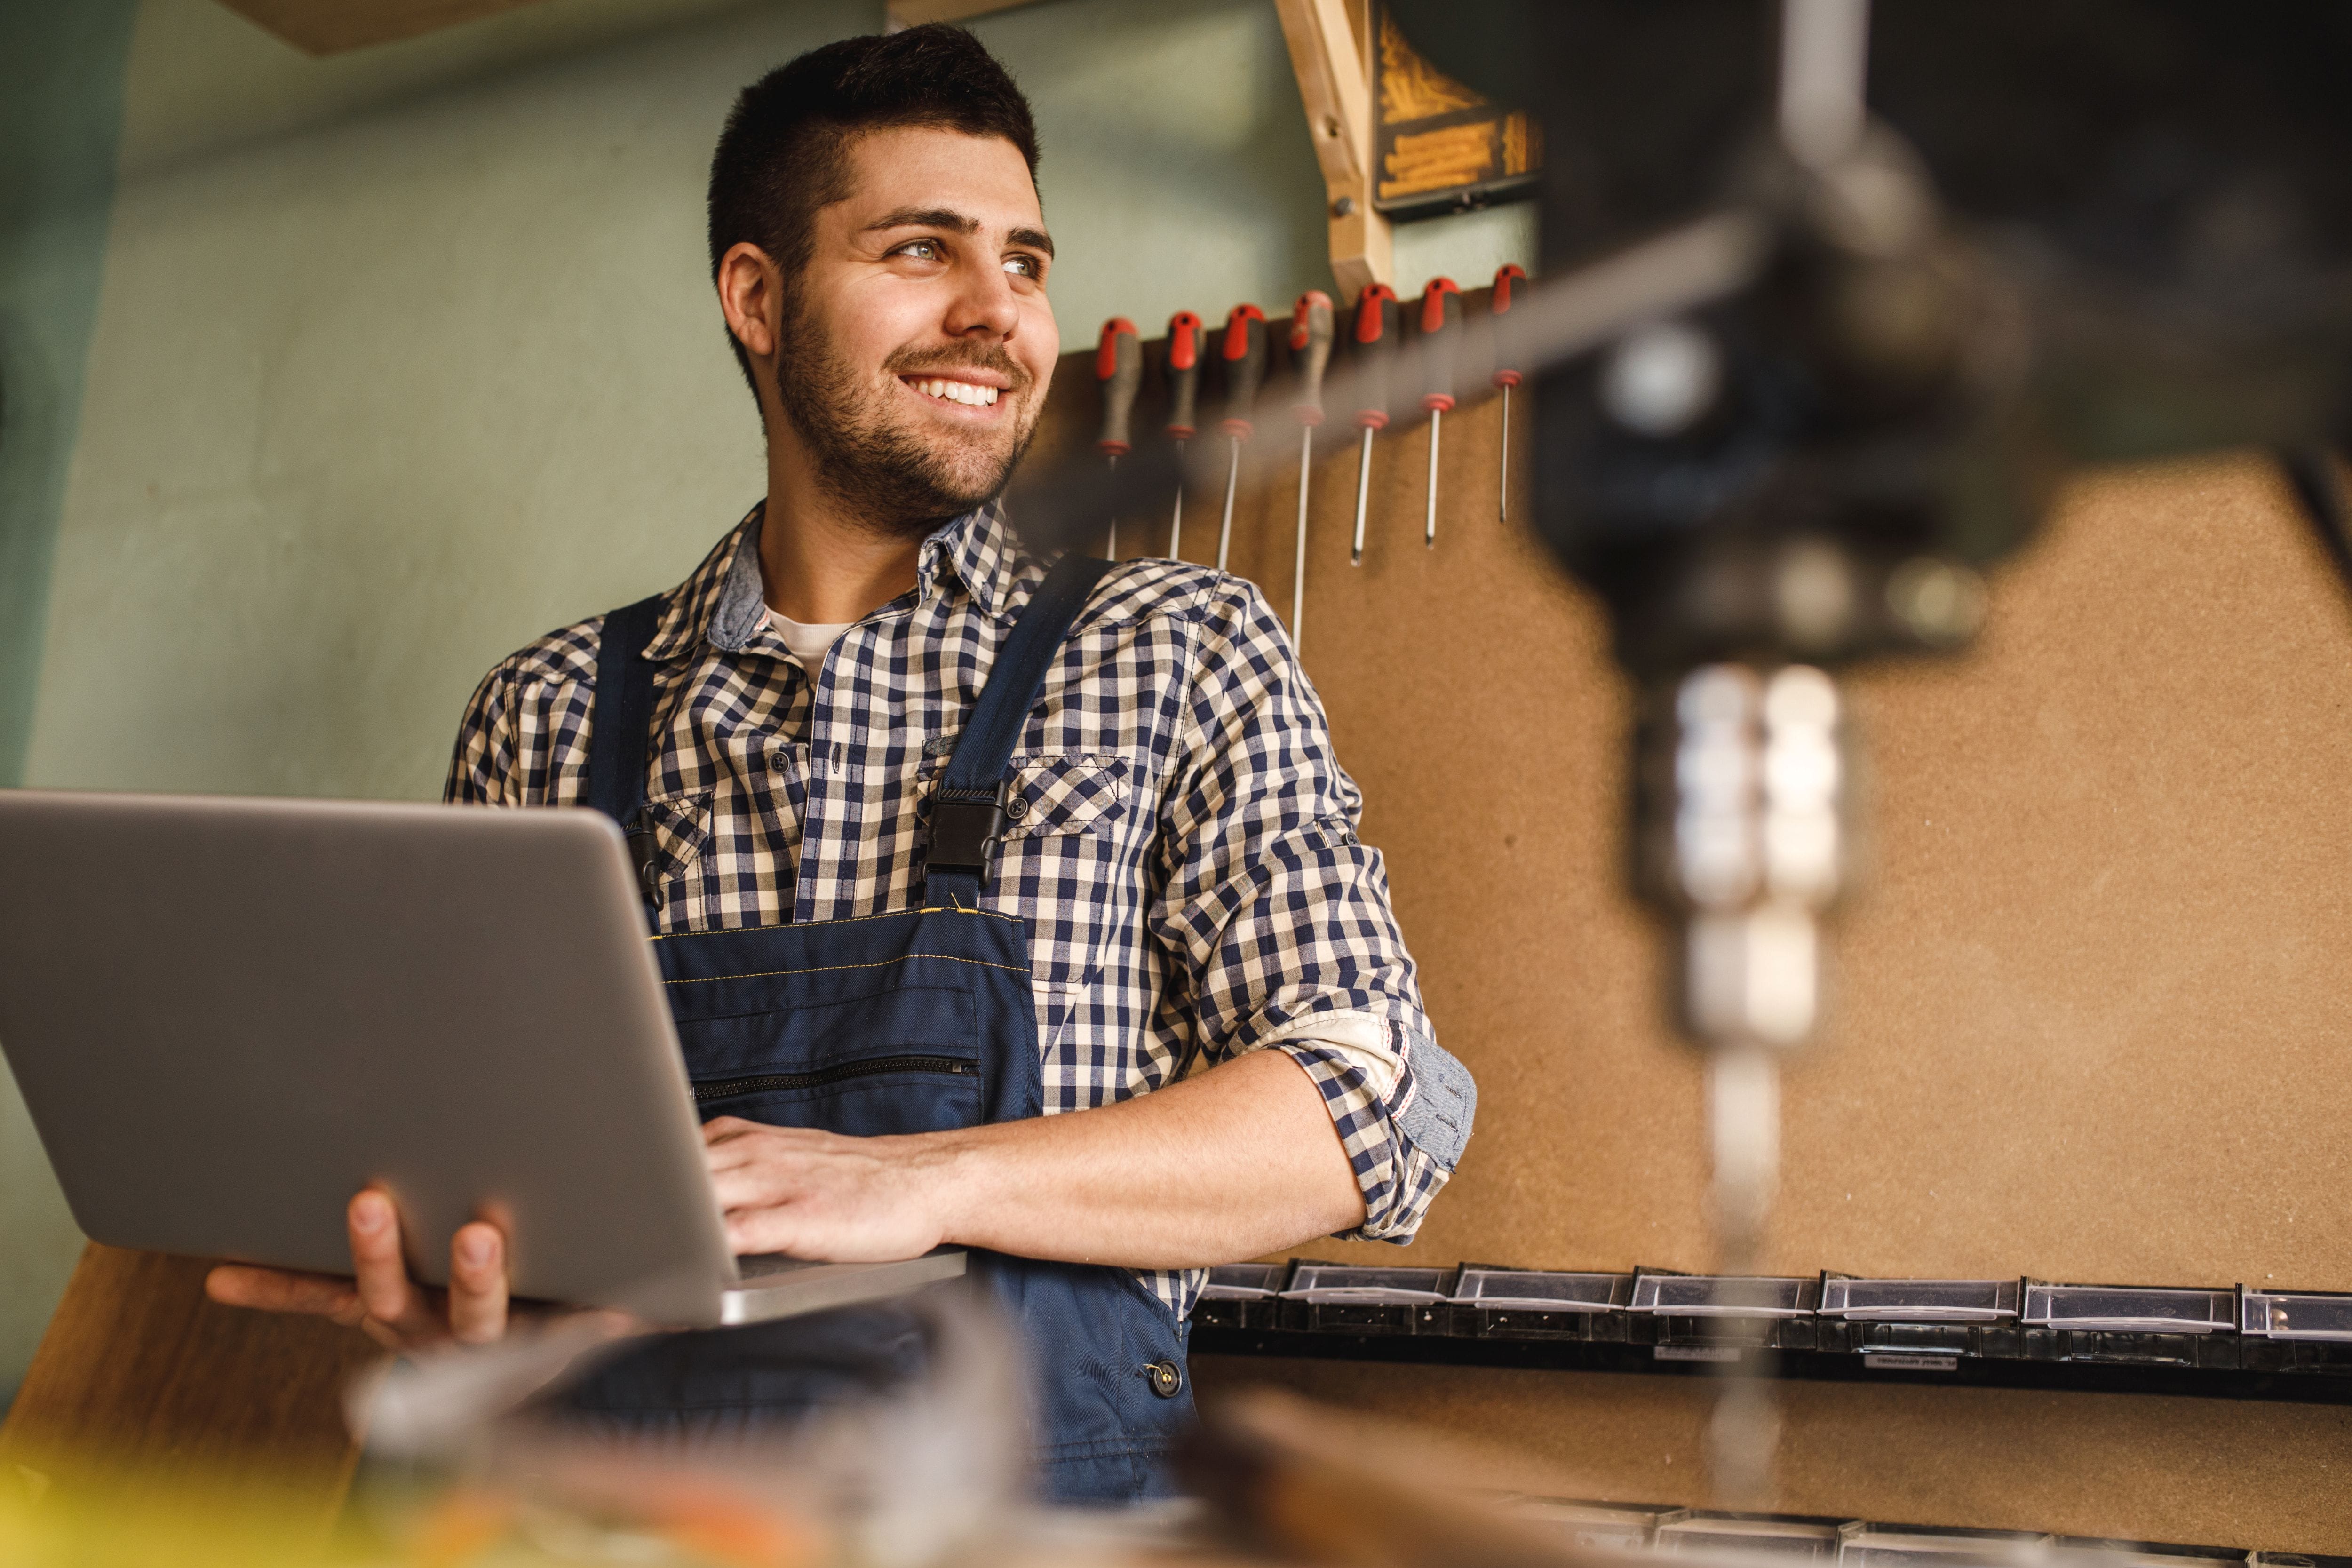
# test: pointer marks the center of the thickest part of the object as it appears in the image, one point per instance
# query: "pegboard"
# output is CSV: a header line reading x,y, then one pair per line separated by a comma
x,y
2089,1014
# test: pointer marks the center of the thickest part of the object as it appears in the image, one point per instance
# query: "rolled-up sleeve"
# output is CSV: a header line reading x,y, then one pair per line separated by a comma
x,y
1276,916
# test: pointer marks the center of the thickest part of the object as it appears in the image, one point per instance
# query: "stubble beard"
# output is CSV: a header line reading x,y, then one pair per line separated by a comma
x,y
875,465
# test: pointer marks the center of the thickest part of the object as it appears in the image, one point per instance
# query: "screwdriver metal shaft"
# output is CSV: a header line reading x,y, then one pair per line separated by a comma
x,y
1363,491
1436,429
1310,355
1299,562
1226,524
1176,520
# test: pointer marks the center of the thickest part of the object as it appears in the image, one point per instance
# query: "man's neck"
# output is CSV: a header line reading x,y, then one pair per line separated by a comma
x,y
821,566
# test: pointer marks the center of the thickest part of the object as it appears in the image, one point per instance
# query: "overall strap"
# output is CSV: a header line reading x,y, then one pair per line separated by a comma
x,y
620,730
967,809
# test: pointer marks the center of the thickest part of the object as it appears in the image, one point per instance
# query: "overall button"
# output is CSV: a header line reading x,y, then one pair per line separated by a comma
x,y
1167,1379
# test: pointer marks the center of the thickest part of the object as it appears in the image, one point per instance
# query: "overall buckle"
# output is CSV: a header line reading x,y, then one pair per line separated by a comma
x,y
966,827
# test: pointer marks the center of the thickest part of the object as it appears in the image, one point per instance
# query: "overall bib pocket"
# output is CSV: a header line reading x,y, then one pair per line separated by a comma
x,y
905,1060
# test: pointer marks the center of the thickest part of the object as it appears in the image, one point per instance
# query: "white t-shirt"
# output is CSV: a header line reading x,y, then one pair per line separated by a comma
x,y
809,644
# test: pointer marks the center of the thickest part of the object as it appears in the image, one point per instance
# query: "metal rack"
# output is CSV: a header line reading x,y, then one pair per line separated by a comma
x,y
2219,1342
1859,1543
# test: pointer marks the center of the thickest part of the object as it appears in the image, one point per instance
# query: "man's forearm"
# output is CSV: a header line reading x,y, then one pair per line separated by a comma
x,y
1240,1161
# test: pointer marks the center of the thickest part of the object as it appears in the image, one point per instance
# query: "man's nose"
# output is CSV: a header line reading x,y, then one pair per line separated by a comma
x,y
983,303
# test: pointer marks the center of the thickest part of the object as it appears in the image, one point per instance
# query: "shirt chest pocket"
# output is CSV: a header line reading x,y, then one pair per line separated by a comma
x,y
1052,795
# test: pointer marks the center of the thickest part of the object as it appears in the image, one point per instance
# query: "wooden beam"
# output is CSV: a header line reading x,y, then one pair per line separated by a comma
x,y
1334,84
908,13
332,26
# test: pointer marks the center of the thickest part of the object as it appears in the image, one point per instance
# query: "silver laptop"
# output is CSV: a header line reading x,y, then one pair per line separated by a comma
x,y
228,1015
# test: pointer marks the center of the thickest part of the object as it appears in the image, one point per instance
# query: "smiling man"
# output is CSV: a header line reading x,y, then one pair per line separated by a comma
x,y
1003,906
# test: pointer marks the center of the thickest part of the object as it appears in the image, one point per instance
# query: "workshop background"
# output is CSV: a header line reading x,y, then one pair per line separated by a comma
x,y
331,381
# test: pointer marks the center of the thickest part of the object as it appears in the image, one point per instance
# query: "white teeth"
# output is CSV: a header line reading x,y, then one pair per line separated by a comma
x,y
961,392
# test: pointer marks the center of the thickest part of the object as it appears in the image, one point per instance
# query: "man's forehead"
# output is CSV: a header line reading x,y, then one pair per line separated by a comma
x,y
930,170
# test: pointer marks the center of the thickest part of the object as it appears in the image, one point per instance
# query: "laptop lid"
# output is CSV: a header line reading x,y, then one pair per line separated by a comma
x,y
228,1014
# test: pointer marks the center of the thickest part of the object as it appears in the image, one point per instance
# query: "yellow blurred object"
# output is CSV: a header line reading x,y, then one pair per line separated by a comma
x,y
63,1517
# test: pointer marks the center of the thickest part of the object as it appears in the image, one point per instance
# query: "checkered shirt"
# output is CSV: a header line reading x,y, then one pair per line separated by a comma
x,y
1181,841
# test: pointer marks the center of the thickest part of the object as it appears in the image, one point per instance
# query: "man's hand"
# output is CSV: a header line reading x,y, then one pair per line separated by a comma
x,y
1235,1163
381,1300
819,1194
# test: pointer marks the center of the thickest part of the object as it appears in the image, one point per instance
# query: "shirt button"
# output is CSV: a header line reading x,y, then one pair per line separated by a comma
x,y
1017,807
1166,1378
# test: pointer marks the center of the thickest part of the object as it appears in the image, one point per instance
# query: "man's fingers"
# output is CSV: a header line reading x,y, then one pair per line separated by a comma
x,y
733,1131
758,1232
383,1286
283,1291
757,1185
478,1283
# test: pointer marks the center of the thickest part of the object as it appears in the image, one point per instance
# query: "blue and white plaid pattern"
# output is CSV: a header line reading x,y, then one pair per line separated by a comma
x,y
1183,841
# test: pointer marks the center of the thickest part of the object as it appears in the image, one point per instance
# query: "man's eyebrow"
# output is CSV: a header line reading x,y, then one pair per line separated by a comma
x,y
956,223
926,217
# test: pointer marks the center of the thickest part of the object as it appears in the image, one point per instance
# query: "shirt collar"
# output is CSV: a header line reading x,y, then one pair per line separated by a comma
x,y
979,548
725,600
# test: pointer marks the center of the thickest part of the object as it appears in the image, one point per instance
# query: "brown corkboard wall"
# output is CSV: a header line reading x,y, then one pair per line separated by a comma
x,y
2093,1012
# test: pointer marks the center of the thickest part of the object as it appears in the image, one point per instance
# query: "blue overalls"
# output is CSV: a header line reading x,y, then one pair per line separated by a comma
x,y
918,1021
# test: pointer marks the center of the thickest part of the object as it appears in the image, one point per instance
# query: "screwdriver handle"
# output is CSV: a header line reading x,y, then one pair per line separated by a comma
x,y
1183,374
1311,331
1118,365
1374,335
1509,273
1438,321
1245,356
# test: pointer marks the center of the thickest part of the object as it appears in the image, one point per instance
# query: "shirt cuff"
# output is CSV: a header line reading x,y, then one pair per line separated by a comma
x,y
1402,1108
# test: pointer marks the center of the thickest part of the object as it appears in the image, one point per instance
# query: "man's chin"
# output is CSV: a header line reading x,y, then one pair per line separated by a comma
x,y
964,478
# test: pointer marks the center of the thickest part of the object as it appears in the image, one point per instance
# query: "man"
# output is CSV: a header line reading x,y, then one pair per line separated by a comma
x,y
1209,1001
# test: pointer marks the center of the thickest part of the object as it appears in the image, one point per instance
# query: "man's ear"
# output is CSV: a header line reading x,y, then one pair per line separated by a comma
x,y
750,292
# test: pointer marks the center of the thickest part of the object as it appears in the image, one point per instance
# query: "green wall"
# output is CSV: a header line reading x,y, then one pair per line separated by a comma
x,y
60,119
60,113
403,357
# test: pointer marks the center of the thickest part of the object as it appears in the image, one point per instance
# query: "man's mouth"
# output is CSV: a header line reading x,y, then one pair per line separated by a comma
x,y
970,394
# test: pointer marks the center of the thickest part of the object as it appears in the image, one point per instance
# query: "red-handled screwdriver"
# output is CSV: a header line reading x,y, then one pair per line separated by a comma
x,y
1441,316
1310,352
1506,376
1374,335
1244,357
1183,389
1118,366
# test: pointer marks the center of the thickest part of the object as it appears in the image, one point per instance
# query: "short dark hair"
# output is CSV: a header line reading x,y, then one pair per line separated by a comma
x,y
781,156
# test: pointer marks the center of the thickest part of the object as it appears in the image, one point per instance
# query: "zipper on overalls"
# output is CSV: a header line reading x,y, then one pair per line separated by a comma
x,y
761,1083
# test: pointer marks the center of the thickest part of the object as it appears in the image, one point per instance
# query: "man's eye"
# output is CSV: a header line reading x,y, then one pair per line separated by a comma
x,y
923,250
1026,266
